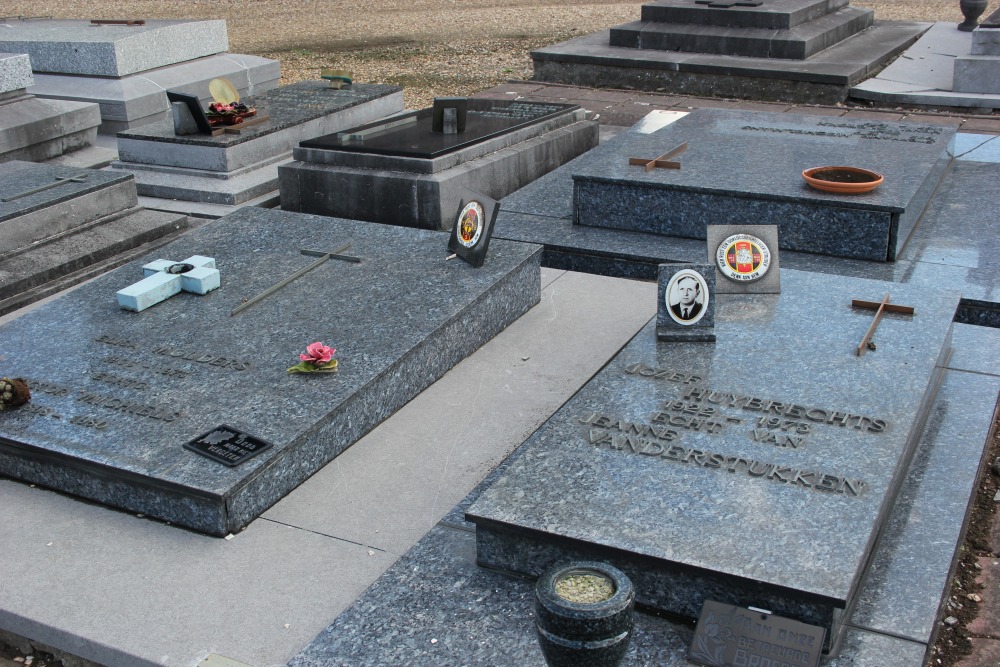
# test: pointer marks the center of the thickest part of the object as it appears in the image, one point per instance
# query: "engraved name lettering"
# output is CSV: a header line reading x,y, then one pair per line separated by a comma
x,y
138,409
202,358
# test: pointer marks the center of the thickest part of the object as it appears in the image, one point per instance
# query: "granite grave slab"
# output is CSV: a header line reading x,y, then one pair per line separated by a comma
x,y
34,129
746,168
72,46
234,168
757,471
111,425
57,221
402,172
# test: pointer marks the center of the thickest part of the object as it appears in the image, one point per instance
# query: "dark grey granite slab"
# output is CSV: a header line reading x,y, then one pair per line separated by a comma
x,y
17,177
775,14
112,410
746,167
825,78
797,43
285,107
675,518
436,592
903,591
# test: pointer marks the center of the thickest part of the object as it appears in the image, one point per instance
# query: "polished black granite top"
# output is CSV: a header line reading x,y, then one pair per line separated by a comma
x,y
412,136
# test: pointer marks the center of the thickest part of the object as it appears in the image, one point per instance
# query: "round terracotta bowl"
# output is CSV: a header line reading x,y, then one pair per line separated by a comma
x,y
843,180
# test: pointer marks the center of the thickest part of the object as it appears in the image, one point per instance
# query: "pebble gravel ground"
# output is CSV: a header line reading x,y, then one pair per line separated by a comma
x,y
430,47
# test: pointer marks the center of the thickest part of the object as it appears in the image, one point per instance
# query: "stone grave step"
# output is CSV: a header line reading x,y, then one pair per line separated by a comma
x,y
209,372
38,201
758,470
773,14
32,273
34,129
770,152
797,43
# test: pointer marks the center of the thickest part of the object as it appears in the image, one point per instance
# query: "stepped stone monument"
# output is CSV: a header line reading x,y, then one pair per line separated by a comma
x,y
239,164
37,129
61,225
790,50
126,68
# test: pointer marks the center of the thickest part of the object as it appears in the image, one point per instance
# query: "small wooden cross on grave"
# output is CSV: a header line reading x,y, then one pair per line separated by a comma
x,y
664,161
323,256
879,307
165,278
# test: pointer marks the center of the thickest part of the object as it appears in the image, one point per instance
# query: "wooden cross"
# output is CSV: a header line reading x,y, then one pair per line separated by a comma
x,y
879,307
323,256
60,180
664,161
165,278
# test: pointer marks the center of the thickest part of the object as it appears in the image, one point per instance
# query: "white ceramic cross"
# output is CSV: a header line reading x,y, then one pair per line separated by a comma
x,y
165,278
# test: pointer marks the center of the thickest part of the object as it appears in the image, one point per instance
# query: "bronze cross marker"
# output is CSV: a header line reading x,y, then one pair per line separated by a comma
x,y
323,256
60,180
726,4
879,307
664,161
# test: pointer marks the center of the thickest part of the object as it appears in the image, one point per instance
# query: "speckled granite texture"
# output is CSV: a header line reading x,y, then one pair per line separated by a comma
x,y
745,167
19,177
113,408
800,545
15,72
435,592
954,245
70,46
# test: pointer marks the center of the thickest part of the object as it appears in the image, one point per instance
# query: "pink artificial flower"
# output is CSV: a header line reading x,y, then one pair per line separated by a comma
x,y
317,353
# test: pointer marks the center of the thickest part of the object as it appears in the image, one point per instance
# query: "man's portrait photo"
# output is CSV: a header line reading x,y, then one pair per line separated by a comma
x,y
687,296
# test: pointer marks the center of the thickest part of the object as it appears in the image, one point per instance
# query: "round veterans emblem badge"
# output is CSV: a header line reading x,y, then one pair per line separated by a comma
x,y
743,258
470,224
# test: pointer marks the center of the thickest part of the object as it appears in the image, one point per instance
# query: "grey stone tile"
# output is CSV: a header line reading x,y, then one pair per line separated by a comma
x,y
123,591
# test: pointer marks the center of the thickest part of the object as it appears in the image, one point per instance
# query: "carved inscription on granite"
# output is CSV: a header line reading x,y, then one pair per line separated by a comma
x,y
710,412
920,134
152,362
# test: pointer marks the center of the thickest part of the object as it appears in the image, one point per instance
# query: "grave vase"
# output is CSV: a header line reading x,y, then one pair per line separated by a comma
x,y
971,10
575,631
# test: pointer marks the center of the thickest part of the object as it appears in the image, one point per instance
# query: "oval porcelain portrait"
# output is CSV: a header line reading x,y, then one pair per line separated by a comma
x,y
686,297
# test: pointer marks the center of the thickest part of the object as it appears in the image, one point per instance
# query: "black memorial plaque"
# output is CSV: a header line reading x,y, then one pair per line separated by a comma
x,y
227,445
194,106
727,635
485,119
473,228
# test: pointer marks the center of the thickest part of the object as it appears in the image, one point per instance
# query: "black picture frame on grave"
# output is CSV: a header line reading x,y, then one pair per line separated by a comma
x,y
473,227
194,106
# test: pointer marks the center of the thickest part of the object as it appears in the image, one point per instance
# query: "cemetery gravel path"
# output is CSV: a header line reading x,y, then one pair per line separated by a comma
x,y
430,47
460,47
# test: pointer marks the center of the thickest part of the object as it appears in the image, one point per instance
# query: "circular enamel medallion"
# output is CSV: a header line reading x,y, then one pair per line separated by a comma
x,y
686,297
470,224
743,258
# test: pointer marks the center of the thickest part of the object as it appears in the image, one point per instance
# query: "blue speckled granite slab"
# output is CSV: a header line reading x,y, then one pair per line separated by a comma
x,y
116,394
655,468
745,167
